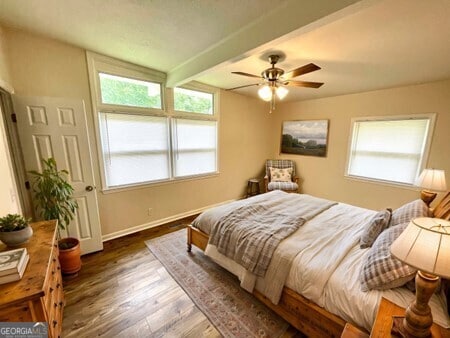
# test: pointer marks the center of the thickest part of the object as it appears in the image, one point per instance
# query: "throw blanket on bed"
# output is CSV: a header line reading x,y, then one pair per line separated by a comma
x,y
250,233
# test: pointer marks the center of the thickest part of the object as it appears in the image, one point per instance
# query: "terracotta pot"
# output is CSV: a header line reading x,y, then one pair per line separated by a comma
x,y
15,238
69,255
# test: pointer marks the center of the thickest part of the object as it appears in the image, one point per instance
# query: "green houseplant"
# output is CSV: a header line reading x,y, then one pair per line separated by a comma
x,y
14,230
53,196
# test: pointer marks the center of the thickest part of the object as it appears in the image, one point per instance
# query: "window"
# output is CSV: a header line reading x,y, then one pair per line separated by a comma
x,y
195,147
193,101
129,92
390,149
135,148
139,141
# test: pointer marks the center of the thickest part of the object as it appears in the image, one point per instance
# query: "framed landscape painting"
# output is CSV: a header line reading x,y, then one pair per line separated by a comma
x,y
307,137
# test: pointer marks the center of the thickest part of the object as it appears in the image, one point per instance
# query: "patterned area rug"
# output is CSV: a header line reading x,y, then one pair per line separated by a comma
x,y
233,311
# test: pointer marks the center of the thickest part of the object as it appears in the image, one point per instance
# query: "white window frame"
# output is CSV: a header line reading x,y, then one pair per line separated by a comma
x,y
200,87
196,86
102,64
424,157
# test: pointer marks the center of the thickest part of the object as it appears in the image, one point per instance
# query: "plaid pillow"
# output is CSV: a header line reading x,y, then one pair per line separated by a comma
x,y
377,224
409,211
382,271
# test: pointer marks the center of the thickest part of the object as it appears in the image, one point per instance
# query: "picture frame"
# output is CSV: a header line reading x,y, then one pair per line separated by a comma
x,y
305,137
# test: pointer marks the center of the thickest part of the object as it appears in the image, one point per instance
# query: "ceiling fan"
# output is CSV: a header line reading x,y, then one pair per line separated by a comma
x,y
275,80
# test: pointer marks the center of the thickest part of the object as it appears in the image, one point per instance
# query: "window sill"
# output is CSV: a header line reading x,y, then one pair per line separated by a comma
x,y
147,185
382,182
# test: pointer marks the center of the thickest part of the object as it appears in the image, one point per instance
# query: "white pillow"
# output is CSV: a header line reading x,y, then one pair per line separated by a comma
x,y
280,175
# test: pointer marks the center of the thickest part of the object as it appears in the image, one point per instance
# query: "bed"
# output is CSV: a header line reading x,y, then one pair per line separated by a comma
x,y
321,290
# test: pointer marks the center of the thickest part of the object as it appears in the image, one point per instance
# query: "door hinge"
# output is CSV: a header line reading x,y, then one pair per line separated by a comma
x,y
14,117
27,185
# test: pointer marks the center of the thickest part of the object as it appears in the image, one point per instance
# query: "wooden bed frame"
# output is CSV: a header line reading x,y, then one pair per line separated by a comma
x,y
301,313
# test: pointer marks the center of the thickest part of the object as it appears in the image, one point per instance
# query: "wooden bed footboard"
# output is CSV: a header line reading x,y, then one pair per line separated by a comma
x,y
298,311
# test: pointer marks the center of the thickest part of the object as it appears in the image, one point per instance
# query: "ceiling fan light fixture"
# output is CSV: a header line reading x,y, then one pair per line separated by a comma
x,y
281,92
265,93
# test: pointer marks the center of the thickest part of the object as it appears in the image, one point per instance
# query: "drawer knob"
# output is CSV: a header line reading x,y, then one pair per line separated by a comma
x,y
54,259
55,305
61,304
54,323
51,289
58,285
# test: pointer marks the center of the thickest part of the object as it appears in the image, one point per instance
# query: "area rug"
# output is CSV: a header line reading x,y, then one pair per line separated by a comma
x,y
216,292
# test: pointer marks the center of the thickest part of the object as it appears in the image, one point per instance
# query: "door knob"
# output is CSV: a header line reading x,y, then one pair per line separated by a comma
x,y
89,188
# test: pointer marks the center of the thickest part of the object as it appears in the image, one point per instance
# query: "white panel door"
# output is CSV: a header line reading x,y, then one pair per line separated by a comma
x,y
57,127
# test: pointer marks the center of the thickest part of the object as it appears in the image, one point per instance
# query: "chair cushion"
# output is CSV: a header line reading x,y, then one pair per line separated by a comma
x,y
374,228
380,269
282,186
280,175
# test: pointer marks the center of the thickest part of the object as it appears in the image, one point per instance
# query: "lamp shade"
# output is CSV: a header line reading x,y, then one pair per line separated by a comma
x,y
432,179
281,92
425,245
265,92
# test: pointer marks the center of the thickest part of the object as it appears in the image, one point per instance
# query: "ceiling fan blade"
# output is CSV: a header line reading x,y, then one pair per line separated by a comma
x,y
311,67
303,84
255,84
246,74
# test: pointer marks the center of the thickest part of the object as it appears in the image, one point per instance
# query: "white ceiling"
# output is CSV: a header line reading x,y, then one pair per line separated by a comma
x,y
360,45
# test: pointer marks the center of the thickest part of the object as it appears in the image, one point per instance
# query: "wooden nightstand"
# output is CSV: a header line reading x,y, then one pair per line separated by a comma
x,y
383,322
351,331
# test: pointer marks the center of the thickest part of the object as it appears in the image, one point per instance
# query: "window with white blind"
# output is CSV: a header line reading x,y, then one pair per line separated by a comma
x,y
390,149
143,137
194,147
135,148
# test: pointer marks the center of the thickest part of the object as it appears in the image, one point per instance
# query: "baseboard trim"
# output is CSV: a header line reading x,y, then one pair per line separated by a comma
x,y
158,222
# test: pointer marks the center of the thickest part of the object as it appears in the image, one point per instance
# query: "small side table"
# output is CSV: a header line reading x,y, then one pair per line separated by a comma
x,y
252,187
383,322
351,331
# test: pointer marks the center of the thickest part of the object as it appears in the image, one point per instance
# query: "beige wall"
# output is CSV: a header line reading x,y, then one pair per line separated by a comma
x,y
325,176
5,79
44,67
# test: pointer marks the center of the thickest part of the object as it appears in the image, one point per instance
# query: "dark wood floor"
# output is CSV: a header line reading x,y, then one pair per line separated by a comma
x,y
124,291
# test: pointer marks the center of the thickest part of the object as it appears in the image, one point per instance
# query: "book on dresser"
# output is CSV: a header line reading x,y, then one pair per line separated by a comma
x,y
13,264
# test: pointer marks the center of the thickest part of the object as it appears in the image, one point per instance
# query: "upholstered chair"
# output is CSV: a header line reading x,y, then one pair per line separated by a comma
x,y
280,175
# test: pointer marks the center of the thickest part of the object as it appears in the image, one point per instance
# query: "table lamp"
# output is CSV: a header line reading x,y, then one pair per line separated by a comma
x,y
424,245
431,179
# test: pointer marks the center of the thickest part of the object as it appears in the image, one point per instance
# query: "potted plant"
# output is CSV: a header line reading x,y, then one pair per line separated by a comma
x,y
14,230
53,196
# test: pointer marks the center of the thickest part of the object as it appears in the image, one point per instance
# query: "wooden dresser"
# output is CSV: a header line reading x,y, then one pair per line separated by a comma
x,y
38,296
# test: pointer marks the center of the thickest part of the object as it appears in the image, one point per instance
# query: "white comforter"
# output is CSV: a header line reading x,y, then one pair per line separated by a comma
x,y
326,269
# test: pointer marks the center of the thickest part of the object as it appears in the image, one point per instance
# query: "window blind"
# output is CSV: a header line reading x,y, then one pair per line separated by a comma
x,y
195,147
135,148
390,150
